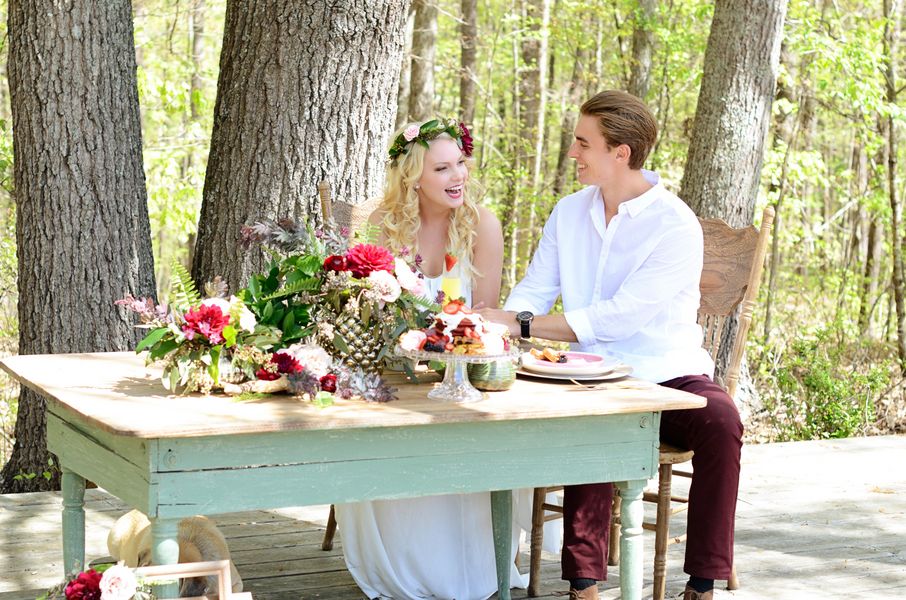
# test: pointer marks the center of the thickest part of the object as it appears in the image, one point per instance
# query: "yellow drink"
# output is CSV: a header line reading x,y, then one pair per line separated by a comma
x,y
451,287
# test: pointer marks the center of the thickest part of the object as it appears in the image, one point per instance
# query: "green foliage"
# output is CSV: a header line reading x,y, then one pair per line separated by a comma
x,y
819,393
183,294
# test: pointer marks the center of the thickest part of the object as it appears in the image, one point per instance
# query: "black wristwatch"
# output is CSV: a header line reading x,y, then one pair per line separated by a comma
x,y
524,318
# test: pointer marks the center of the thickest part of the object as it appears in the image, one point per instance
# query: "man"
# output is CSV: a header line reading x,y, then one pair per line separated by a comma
x,y
626,256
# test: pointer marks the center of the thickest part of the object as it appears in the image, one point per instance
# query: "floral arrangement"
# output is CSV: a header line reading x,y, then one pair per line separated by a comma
x,y
428,131
104,582
320,321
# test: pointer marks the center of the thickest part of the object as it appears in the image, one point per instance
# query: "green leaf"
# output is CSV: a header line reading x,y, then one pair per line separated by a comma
x,y
229,336
151,339
289,321
255,286
365,312
322,399
162,349
214,367
340,344
183,295
429,125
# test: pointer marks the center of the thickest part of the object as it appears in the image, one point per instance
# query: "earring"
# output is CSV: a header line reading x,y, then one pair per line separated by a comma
x,y
416,187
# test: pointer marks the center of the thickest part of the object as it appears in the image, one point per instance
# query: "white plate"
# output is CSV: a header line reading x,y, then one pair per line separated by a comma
x,y
577,363
616,373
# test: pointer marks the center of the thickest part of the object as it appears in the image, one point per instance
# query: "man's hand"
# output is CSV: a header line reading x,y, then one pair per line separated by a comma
x,y
504,317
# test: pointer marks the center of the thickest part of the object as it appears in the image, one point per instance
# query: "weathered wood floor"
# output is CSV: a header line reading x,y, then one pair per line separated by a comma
x,y
815,520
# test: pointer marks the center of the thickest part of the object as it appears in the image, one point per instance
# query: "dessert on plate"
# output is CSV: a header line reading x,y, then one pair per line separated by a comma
x,y
458,330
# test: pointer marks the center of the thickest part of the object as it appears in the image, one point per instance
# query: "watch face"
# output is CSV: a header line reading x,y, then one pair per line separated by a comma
x,y
524,316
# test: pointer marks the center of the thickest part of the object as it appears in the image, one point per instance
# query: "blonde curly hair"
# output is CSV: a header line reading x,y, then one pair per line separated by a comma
x,y
401,220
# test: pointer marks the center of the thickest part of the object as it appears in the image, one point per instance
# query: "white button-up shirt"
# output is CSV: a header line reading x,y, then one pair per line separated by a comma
x,y
630,288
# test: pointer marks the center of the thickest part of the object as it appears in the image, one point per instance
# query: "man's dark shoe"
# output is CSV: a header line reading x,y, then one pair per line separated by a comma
x,y
691,594
589,593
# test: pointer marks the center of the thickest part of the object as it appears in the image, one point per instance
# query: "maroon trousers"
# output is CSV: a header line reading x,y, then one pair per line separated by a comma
x,y
715,434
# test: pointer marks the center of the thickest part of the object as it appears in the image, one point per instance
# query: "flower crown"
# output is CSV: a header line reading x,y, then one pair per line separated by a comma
x,y
428,131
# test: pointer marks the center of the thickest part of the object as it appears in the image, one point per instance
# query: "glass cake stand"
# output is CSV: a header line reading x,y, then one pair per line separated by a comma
x,y
456,386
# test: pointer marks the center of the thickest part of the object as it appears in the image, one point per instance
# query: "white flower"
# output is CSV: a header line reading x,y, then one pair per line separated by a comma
x,y
409,280
386,285
314,358
411,133
118,583
412,339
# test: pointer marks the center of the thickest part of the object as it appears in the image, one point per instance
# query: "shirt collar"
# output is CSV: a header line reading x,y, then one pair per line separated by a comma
x,y
640,203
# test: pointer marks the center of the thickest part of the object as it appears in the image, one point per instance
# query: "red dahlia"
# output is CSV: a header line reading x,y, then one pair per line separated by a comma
x,y
208,321
286,363
329,383
87,586
363,259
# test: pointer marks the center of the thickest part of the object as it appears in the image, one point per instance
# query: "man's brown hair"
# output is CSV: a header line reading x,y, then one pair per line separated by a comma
x,y
624,119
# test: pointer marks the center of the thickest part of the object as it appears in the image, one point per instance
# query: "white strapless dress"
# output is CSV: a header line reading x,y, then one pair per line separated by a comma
x,y
439,547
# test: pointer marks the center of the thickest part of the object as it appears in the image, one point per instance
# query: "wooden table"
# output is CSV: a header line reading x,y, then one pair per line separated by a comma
x,y
110,420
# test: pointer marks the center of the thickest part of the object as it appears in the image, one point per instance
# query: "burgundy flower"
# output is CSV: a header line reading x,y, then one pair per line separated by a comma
x,y
466,138
206,320
329,383
266,375
87,586
286,362
335,263
362,259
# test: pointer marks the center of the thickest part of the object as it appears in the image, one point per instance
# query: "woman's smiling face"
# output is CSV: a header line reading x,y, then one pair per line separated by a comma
x,y
444,175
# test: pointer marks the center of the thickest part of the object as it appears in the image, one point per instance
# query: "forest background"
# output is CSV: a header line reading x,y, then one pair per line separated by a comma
x,y
824,356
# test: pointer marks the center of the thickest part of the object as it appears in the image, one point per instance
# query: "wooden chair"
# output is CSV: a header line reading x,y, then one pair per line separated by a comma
x,y
734,259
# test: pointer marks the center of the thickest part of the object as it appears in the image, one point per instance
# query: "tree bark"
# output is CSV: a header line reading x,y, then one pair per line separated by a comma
x,y
468,31
575,95
424,38
295,106
891,35
82,217
642,47
532,97
405,80
732,116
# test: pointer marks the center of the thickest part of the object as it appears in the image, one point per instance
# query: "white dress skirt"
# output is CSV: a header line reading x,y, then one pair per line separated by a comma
x,y
438,547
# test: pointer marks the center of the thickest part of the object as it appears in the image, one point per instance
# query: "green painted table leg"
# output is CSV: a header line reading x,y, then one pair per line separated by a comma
x,y
631,557
165,551
73,522
502,524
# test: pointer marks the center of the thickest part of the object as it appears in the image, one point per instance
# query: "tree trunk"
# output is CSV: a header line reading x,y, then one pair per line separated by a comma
x,y
196,55
294,107
642,46
575,95
405,80
891,34
732,116
424,37
468,31
82,230
532,96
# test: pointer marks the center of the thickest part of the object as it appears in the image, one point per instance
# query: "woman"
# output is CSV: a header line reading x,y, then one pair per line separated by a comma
x,y
439,546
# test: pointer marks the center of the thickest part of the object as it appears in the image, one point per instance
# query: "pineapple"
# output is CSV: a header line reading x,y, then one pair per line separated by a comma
x,y
363,343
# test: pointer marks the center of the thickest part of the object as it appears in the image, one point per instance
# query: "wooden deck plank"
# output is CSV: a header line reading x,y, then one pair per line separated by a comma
x,y
815,520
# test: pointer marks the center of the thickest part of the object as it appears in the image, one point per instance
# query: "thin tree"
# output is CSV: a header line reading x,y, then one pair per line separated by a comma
x,y
405,80
891,35
424,40
295,106
82,226
642,48
468,40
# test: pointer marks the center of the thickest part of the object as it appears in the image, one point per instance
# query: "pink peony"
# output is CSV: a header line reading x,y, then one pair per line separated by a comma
x,y
412,339
411,133
386,285
362,259
87,586
409,279
118,583
206,320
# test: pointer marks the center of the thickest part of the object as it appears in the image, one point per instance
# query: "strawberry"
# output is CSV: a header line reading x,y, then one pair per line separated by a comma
x,y
449,347
452,307
449,262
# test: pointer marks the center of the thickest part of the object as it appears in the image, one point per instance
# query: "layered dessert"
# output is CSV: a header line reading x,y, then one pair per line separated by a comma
x,y
459,330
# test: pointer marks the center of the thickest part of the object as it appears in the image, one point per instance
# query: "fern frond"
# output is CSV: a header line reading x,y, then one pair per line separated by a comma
x,y
183,294
309,284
